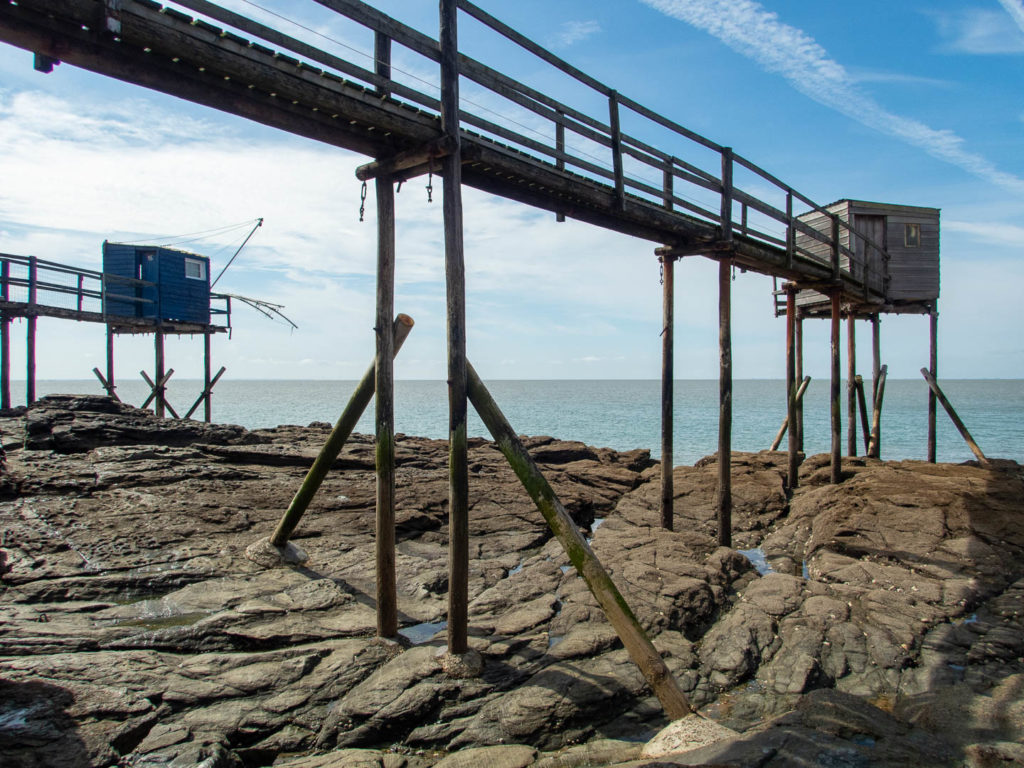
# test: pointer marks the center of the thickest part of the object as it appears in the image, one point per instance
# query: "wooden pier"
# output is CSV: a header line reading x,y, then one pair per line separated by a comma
x,y
686,193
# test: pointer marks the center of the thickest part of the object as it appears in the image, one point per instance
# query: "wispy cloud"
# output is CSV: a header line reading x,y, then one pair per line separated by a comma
x,y
896,78
982,32
576,31
998,233
746,27
1016,9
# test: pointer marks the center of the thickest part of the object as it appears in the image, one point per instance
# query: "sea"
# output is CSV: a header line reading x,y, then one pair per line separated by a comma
x,y
620,414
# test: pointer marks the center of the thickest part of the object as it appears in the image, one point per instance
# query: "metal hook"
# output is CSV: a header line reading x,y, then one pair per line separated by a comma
x,y
362,201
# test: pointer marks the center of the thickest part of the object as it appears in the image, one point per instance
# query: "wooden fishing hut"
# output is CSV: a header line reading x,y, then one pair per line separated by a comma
x,y
893,250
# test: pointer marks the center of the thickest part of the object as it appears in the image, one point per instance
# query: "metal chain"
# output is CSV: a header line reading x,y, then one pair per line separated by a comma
x,y
430,186
661,271
362,201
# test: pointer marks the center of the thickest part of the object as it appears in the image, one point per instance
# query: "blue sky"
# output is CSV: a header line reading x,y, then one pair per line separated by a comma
x,y
911,103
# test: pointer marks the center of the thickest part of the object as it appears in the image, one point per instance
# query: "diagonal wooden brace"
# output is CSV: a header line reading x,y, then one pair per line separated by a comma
x,y
158,391
106,385
204,393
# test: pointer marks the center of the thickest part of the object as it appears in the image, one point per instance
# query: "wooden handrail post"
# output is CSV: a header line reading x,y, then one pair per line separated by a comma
x,y
336,441
724,492
726,214
559,149
668,186
793,465
933,366
837,416
875,448
619,614
836,271
667,388
382,61
620,184
455,289
790,230
961,428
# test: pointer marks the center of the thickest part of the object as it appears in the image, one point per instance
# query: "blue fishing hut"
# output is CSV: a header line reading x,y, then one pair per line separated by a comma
x,y
174,287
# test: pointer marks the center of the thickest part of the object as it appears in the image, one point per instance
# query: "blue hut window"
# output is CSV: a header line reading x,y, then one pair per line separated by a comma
x,y
195,269
912,235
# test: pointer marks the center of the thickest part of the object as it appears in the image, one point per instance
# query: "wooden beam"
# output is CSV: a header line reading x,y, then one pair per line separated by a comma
x,y
455,283
110,386
5,338
851,384
204,396
667,388
865,427
798,341
160,402
837,416
961,428
612,603
387,590
723,501
403,161
793,464
30,339
784,429
933,366
875,448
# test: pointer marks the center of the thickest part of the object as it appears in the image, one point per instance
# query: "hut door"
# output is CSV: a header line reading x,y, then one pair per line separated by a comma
x,y
870,266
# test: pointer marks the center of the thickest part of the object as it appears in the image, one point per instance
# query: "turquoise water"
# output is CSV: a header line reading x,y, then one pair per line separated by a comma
x,y
622,414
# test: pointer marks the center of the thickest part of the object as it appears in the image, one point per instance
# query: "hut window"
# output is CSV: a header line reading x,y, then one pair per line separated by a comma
x,y
912,235
195,269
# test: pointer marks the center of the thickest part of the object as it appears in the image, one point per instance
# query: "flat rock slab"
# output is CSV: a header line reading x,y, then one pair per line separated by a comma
x,y
687,734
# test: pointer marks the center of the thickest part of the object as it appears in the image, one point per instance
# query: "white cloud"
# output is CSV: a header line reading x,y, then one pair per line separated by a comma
x,y
746,27
1010,235
576,31
1016,9
982,32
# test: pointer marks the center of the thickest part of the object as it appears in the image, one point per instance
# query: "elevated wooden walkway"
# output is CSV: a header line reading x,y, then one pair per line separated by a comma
x,y
686,194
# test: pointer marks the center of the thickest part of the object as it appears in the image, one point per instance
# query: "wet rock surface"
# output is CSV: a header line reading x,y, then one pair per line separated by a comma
x,y
135,632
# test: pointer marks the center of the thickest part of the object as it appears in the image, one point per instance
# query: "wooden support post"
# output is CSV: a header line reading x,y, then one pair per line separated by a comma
x,y
876,355
961,428
111,387
667,388
724,495
560,149
837,416
799,343
793,464
933,369
864,426
726,210
5,338
455,283
207,384
387,590
336,441
30,339
622,619
159,390
851,384
204,395
613,121
875,448
785,421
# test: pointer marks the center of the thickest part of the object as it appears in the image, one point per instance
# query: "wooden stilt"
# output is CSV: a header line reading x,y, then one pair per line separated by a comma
x,y
961,428
785,422
875,448
933,369
667,388
30,361
876,355
724,495
30,340
864,426
622,619
5,339
792,475
159,401
387,590
799,342
111,387
458,470
837,417
336,441
851,384
207,384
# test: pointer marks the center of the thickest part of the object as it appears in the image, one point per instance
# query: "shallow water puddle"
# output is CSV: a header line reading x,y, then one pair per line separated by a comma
x,y
418,634
758,560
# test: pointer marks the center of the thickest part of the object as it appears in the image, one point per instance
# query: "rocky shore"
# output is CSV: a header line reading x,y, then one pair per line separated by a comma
x,y
883,626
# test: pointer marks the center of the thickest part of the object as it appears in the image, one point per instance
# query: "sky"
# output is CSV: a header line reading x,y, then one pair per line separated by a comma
x,y
916,103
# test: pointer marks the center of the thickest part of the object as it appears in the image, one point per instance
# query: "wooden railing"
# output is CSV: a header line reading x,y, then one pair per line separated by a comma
x,y
698,178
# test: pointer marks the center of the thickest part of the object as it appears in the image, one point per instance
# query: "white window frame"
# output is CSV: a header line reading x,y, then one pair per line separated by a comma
x,y
202,269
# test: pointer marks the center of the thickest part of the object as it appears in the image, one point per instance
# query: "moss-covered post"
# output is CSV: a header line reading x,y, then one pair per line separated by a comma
x,y
723,499
837,415
667,386
619,614
455,281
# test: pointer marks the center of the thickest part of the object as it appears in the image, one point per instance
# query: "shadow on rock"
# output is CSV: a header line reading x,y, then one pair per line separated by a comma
x,y
36,730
